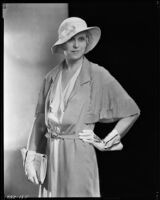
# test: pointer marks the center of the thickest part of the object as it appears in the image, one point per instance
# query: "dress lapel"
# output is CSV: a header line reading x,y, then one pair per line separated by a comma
x,y
79,90
83,77
85,72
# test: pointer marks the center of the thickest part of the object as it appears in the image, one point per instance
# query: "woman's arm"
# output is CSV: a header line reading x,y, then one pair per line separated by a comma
x,y
124,124
33,146
121,128
37,133
113,138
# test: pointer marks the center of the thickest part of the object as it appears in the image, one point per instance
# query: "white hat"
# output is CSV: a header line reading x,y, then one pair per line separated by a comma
x,y
70,27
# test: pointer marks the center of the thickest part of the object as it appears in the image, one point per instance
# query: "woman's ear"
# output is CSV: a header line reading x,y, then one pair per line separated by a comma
x,y
87,39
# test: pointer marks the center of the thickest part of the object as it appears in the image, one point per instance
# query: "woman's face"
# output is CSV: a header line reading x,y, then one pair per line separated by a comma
x,y
75,48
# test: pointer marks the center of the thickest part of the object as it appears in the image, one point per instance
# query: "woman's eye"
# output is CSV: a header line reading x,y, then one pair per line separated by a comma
x,y
81,39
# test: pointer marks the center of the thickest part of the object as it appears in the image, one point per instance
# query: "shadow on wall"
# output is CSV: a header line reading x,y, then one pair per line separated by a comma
x,y
29,32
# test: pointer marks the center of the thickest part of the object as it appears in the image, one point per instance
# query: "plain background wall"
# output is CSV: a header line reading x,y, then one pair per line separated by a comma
x,y
29,32
128,49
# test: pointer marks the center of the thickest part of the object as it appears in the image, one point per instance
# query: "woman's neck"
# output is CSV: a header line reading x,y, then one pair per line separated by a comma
x,y
72,64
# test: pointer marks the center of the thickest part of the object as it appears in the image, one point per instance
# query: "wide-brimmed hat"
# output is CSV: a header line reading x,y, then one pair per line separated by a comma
x,y
72,26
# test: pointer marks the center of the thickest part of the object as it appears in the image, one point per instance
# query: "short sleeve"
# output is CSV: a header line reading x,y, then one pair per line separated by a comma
x,y
115,101
40,108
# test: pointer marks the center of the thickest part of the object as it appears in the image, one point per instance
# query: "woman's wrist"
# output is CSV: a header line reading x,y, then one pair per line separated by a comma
x,y
111,135
113,138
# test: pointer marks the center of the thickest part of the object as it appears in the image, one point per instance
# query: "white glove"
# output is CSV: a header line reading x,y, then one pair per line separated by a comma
x,y
112,141
90,137
29,167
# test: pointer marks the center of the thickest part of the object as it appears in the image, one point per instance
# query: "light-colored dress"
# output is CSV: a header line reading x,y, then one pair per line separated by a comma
x,y
95,96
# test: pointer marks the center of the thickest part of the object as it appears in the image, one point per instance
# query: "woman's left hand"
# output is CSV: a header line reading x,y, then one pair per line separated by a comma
x,y
90,137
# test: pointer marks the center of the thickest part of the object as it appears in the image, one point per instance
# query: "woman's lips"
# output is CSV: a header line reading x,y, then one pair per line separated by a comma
x,y
75,51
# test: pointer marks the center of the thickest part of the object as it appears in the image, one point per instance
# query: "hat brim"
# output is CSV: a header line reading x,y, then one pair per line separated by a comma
x,y
94,36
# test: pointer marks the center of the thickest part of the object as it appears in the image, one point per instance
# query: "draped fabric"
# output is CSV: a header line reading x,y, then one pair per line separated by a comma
x,y
58,101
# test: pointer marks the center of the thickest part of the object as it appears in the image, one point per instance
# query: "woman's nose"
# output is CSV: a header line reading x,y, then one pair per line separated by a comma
x,y
75,43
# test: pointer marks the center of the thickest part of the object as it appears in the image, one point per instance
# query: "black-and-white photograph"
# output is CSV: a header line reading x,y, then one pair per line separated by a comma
x,y
81,100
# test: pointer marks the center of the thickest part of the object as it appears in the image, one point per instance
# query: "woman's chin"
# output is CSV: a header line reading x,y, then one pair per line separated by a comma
x,y
76,56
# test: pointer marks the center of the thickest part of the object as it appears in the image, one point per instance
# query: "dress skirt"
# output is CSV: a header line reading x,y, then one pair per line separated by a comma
x,y
72,169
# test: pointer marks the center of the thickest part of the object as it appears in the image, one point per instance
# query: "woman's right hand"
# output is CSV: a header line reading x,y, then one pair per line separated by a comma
x,y
30,169
90,137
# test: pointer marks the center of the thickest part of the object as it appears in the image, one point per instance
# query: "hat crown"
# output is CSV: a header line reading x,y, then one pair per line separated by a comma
x,y
71,26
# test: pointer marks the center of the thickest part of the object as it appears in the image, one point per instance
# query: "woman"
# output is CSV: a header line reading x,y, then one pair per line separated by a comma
x,y
74,96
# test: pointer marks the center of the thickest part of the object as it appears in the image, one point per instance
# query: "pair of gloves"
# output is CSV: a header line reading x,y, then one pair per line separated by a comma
x,y
110,143
35,165
28,163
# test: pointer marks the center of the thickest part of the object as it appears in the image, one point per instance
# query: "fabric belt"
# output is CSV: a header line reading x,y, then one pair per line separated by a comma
x,y
54,135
